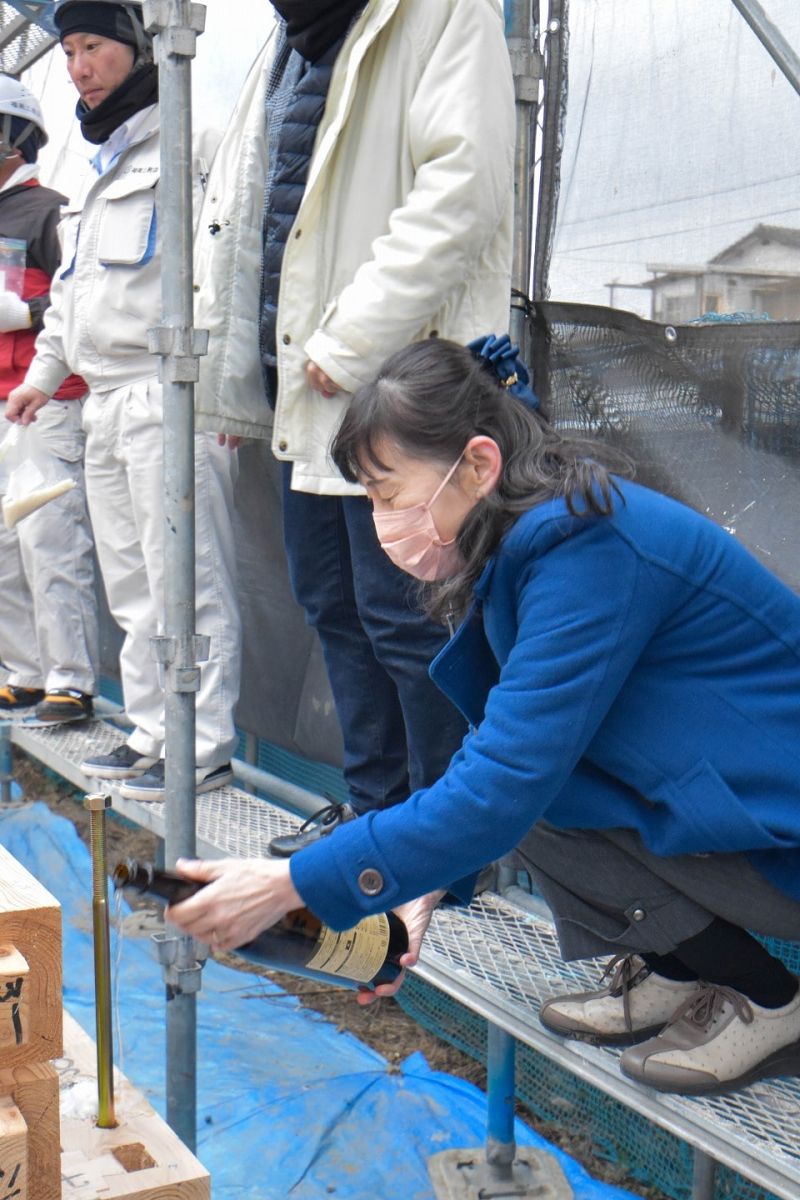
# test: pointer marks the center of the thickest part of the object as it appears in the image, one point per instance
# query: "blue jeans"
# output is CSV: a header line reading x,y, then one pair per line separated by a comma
x,y
399,731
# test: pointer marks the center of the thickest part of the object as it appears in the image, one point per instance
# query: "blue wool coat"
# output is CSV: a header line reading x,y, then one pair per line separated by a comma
x,y
639,670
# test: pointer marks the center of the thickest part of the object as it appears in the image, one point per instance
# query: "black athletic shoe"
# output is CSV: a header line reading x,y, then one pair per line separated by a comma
x,y
65,704
13,698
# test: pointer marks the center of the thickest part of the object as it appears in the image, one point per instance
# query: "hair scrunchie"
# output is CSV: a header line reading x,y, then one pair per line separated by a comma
x,y
502,359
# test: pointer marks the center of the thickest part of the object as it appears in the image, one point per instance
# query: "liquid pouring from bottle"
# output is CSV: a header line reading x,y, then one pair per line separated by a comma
x,y
299,944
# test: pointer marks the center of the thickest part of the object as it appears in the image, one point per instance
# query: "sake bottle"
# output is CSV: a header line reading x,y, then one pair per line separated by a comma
x,y
299,944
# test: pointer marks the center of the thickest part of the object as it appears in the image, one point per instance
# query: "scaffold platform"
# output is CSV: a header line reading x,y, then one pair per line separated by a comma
x,y
498,960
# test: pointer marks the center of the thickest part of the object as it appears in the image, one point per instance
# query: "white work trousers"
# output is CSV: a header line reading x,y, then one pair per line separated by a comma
x,y
48,617
125,488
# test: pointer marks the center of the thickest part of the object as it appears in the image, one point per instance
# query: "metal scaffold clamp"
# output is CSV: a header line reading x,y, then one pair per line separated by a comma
x,y
182,960
179,351
179,656
179,39
526,67
526,59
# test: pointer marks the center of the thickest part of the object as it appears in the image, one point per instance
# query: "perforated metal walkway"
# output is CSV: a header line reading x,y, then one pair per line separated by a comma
x,y
499,961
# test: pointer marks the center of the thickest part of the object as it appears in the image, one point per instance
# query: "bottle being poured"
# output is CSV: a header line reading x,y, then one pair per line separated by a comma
x,y
362,957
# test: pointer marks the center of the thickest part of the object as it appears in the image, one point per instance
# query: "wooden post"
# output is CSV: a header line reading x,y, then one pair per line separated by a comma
x,y
30,1026
30,933
33,1088
13,1152
140,1159
13,998
50,1156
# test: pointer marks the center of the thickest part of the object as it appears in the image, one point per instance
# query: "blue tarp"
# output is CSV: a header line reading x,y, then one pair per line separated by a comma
x,y
288,1107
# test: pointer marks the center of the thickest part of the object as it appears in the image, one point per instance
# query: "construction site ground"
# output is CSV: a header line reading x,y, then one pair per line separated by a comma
x,y
384,1025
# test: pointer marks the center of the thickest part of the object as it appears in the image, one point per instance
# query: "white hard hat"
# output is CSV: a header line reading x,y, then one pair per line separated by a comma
x,y
18,101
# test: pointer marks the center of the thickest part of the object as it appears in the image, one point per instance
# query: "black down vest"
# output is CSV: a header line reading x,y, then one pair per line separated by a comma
x,y
298,131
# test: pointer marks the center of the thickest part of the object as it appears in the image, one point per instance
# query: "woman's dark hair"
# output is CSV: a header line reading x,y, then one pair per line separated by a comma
x,y
429,400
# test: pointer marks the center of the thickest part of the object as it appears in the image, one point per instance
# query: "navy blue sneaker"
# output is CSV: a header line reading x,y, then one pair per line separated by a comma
x,y
122,763
150,786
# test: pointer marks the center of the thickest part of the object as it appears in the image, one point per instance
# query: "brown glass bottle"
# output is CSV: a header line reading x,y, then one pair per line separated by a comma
x,y
300,944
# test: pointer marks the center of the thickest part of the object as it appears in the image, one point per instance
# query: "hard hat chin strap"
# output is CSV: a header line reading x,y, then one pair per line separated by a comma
x,y
144,44
8,148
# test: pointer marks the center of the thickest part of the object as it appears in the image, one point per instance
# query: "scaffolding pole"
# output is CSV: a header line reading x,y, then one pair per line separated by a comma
x,y
776,45
176,24
526,68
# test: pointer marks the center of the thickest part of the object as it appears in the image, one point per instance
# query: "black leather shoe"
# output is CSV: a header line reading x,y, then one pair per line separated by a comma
x,y
317,826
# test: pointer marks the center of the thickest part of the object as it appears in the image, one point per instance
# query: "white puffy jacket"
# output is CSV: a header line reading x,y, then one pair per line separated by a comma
x,y
107,292
403,232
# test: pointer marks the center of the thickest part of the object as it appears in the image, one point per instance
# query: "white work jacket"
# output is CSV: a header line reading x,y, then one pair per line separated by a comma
x,y
404,229
107,292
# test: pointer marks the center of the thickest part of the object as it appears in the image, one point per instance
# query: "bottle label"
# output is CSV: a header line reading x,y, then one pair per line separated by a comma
x,y
357,954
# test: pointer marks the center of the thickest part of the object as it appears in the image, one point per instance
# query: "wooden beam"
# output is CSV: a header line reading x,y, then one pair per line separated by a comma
x,y
14,996
33,1087
13,1152
142,1159
30,923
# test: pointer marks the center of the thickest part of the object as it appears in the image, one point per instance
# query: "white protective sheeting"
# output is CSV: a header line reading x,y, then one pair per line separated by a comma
x,y
681,138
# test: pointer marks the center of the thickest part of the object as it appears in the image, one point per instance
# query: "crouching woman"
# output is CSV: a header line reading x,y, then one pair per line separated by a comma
x,y
632,676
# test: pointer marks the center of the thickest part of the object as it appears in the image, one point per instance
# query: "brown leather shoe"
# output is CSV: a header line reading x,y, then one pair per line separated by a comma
x,y
634,1004
718,1041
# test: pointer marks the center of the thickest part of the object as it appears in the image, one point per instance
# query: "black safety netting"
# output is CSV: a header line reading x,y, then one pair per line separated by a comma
x,y
710,413
668,249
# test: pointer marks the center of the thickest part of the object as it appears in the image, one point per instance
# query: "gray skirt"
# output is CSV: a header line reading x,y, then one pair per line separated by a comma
x,y
610,895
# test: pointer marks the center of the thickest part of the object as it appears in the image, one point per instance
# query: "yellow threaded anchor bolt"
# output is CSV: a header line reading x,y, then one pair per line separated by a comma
x,y
97,805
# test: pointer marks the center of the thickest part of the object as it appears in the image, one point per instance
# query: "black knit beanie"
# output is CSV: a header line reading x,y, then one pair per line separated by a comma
x,y
106,20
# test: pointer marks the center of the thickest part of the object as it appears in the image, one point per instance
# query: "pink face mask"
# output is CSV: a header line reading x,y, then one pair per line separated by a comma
x,y
410,538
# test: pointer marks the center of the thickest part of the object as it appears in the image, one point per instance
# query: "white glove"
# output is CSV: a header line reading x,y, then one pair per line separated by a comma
x,y
14,313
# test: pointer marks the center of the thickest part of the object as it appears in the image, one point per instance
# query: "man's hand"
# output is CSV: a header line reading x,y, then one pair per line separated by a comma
x,y
318,381
244,896
416,916
24,403
231,440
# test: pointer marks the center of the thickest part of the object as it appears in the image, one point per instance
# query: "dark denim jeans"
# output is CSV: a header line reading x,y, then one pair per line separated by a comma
x,y
399,731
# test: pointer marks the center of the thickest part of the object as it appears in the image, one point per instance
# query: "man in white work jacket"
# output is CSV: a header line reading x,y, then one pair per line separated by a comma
x,y
361,199
105,297
48,616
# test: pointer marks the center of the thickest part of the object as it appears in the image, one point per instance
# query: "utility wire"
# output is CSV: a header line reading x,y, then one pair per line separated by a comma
x,y
618,212
651,237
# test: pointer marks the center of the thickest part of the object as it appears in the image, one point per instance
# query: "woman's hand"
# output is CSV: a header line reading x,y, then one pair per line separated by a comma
x,y
243,897
416,915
